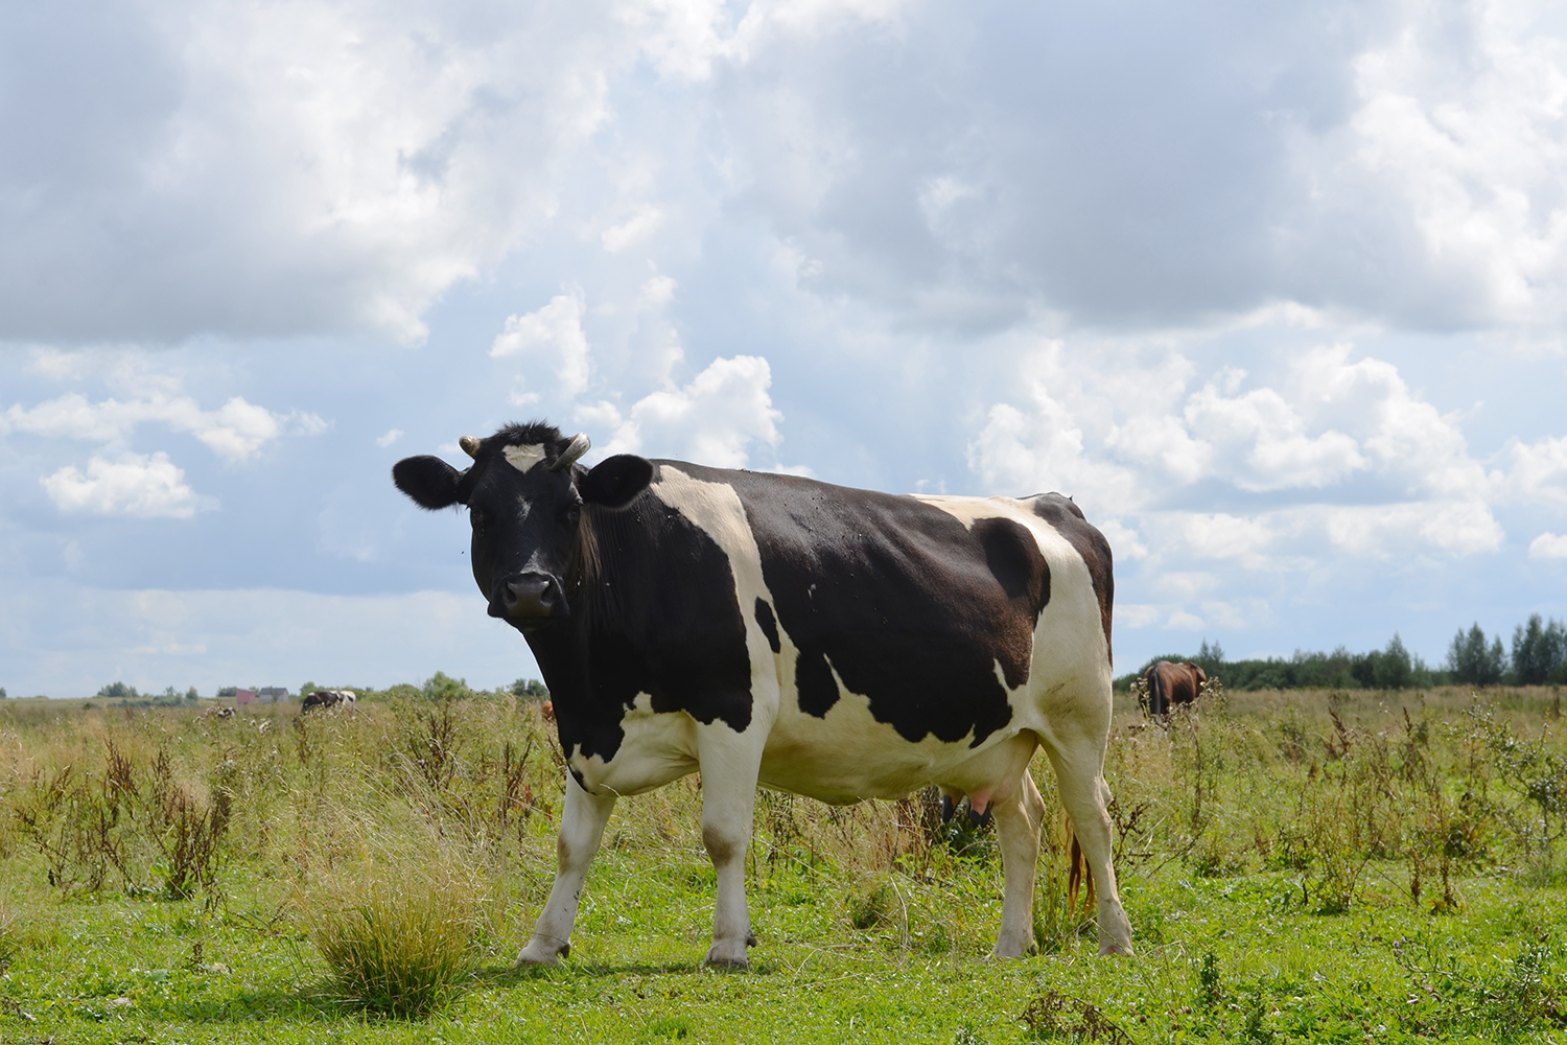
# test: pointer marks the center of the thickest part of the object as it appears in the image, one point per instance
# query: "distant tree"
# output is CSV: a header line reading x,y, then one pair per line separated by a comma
x,y
191,696
2,693
228,691
1210,657
1539,650
1393,668
530,688
118,689
1474,662
307,689
442,686
1556,637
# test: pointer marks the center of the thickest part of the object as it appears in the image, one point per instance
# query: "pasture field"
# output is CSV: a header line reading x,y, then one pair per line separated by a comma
x,y
1297,867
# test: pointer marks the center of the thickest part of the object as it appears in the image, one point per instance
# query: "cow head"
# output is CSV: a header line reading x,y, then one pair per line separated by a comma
x,y
525,494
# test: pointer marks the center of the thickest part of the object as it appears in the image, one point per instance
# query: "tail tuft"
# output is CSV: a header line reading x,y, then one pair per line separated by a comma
x,y
1078,872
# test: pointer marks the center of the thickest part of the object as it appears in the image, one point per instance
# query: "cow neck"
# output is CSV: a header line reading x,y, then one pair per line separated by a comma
x,y
585,657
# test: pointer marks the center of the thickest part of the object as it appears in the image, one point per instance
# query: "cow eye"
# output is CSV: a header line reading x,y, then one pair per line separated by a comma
x,y
571,514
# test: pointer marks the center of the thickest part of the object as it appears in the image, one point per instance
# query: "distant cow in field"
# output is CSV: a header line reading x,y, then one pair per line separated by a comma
x,y
327,698
769,629
1172,684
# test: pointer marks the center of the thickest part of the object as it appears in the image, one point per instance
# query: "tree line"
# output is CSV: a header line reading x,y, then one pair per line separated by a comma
x,y
1536,656
439,686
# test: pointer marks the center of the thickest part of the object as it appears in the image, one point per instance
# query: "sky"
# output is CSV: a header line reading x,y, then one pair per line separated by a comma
x,y
1275,291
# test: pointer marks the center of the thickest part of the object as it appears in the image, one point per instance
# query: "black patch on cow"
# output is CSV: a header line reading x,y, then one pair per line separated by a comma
x,y
1067,519
769,624
1018,567
665,621
813,681
900,600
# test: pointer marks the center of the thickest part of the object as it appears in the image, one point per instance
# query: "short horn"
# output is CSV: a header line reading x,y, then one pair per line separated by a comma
x,y
576,448
470,445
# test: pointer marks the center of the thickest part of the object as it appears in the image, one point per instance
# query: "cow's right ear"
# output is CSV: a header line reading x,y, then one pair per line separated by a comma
x,y
430,481
614,482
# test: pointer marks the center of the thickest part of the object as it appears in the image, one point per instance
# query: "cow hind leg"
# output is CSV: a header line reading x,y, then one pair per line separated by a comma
x,y
581,829
1019,819
1079,766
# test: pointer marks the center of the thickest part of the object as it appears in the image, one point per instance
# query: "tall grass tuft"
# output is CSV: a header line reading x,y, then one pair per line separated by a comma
x,y
397,928
9,937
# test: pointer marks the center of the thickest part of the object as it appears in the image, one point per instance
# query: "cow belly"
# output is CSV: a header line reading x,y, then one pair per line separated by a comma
x,y
821,759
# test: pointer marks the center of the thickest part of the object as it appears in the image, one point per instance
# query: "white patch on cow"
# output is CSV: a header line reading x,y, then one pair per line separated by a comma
x,y
525,457
657,749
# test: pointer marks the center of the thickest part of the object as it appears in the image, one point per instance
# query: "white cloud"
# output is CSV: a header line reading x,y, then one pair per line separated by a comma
x,y
553,333
236,431
633,230
1125,543
1261,442
1453,528
716,419
1245,540
1330,454
391,437
1046,447
141,486
1404,438
1462,122
1532,472
379,156
1549,546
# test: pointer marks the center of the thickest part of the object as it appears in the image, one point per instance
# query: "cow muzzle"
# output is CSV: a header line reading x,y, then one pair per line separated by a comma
x,y
526,599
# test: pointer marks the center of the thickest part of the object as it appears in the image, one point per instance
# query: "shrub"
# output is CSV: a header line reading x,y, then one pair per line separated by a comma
x,y
398,929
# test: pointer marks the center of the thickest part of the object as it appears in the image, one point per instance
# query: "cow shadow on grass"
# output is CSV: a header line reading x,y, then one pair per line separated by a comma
x,y
511,975
320,1003
314,1003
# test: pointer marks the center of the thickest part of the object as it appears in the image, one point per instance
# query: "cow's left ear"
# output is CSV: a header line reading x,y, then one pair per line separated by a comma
x,y
615,481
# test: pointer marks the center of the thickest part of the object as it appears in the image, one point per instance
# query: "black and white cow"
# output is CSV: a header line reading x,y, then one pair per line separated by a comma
x,y
327,698
767,629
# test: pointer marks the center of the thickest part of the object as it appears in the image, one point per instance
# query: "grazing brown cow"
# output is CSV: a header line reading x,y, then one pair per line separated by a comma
x,y
1172,684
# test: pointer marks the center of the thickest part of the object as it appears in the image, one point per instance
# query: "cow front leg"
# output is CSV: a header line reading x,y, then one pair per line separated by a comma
x,y
581,829
729,776
1019,819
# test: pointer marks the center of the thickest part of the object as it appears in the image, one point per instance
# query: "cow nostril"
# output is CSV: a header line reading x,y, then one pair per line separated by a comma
x,y
528,595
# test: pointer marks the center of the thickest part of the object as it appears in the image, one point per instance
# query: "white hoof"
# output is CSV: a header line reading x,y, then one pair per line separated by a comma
x,y
537,952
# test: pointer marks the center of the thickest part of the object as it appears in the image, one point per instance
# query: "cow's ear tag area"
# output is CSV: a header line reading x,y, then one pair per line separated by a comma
x,y
430,481
614,482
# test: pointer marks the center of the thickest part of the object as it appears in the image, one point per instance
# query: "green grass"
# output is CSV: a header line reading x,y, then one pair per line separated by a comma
x,y
1241,828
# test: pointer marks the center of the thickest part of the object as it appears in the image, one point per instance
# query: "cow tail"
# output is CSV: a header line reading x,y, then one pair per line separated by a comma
x,y
1158,699
1078,872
